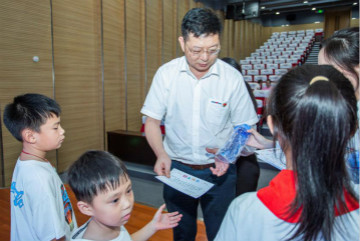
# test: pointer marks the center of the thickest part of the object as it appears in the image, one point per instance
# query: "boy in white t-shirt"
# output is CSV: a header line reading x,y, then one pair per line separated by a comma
x,y
103,189
40,206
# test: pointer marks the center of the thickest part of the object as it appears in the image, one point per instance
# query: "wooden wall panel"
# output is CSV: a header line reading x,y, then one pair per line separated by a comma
x,y
25,28
154,39
78,86
170,34
114,64
227,39
135,61
335,19
354,23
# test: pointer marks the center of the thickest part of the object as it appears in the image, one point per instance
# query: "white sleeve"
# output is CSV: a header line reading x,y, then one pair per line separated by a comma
x,y
228,228
242,108
156,99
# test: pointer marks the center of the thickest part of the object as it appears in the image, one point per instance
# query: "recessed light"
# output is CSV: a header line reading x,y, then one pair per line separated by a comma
x,y
313,9
317,22
354,3
287,25
262,7
277,13
353,18
305,1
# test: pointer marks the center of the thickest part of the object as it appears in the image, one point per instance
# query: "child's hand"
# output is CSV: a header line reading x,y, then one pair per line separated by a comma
x,y
165,220
258,141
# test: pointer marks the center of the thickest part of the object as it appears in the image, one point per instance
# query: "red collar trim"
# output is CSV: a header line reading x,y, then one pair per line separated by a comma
x,y
281,192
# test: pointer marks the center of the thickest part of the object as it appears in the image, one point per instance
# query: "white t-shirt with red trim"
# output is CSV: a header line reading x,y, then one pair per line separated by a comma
x,y
261,215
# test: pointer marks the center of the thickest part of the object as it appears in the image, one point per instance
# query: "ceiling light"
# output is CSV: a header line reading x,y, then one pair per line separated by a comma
x,y
313,9
353,18
277,13
354,3
262,7
317,22
305,1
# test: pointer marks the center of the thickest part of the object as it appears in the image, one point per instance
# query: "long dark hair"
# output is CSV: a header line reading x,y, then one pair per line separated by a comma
x,y
315,121
342,49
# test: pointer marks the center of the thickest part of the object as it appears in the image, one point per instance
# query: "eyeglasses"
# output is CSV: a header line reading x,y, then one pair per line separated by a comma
x,y
199,52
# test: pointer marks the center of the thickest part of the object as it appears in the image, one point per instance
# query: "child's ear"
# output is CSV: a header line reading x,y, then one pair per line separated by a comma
x,y
85,208
269,122
28,136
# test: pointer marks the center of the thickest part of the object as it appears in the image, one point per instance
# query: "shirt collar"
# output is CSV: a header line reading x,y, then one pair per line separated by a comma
x,y
214,69
281,192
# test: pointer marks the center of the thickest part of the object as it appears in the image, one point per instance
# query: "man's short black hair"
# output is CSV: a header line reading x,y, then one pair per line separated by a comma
x,y
94,172
199,21
29,111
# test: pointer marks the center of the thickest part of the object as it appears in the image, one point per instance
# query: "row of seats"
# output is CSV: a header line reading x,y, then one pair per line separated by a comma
x,y
281,52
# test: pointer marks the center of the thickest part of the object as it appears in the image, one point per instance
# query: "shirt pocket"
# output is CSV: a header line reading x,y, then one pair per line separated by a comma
x,y
217,112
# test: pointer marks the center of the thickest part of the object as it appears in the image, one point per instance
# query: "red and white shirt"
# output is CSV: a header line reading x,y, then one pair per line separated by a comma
x,y
263,215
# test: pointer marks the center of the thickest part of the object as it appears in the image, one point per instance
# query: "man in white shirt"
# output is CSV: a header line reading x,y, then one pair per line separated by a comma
x,y
201,99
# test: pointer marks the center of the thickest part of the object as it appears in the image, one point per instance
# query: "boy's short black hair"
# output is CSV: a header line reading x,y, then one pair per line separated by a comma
x,y
199,21
95,171
29,111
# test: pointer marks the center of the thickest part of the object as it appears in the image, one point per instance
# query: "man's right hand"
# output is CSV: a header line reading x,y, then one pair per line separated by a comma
x,y
162,166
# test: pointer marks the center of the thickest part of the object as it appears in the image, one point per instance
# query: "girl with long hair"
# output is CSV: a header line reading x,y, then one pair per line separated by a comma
x,y
312,113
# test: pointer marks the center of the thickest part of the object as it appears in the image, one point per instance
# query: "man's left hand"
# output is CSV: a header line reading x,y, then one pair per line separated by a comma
x,y
220,167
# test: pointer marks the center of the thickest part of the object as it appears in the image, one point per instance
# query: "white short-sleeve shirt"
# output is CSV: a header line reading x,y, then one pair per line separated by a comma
x,y
79,233
198,113
40,206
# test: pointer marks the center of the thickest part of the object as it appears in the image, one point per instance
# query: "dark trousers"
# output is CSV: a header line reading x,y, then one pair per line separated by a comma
x,y
214,203
248,172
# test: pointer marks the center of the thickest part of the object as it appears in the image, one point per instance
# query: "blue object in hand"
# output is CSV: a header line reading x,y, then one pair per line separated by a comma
x,y
234,145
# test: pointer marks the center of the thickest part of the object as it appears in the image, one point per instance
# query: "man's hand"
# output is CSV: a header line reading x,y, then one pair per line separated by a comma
x,y
220,167
162,166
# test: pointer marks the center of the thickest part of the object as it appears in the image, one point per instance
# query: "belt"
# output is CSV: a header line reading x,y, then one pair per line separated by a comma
x,y
198,167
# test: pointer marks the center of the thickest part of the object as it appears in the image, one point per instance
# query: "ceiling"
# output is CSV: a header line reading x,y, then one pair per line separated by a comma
x,y
284,6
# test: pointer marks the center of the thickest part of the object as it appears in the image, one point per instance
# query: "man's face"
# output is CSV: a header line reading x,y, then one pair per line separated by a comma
x,y
200,52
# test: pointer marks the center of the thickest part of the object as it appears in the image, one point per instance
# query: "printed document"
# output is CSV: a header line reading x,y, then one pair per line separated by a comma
x,y
186,183
275,158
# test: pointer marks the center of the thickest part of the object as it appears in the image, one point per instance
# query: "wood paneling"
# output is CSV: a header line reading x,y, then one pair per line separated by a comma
x,y
354,23
154,39
78,85
135,61
25,28
335,19
170,34
114,64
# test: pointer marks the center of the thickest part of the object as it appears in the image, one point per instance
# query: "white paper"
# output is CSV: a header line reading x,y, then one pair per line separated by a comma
x,y
277,160
186,183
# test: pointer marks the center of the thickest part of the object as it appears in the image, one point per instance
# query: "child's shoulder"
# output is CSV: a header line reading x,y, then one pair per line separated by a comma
x,y
34,172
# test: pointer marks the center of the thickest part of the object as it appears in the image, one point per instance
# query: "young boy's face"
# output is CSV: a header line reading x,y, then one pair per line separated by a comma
x,y
51,134
114,206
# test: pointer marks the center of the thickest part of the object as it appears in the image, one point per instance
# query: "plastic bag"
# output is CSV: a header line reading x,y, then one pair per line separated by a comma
x,y
234,145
